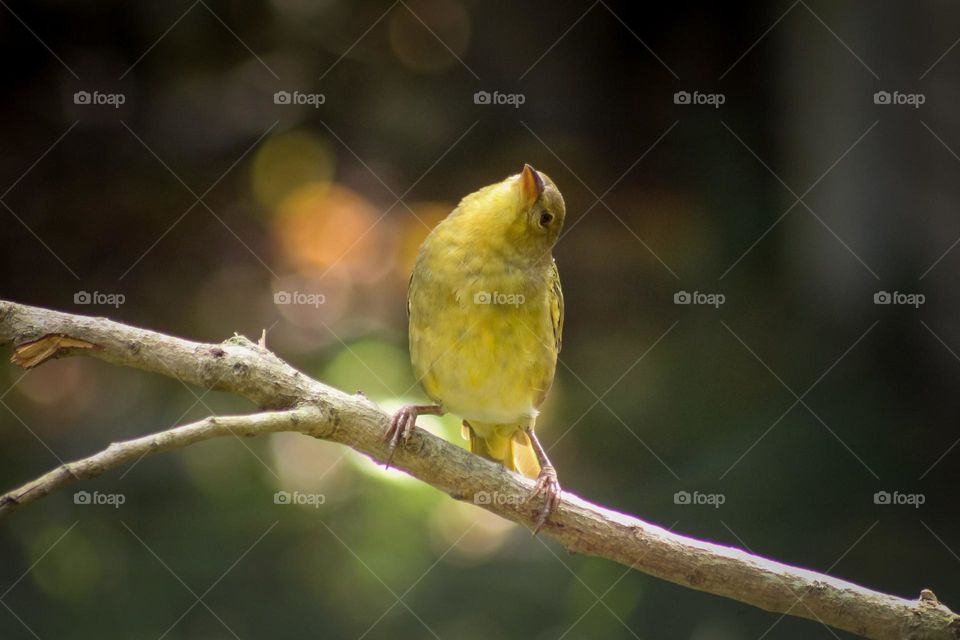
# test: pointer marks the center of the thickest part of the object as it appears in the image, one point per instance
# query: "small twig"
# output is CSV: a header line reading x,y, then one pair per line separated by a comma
x,y
305,420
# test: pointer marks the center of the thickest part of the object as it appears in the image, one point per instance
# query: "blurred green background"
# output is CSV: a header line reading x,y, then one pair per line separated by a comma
x,y
201,197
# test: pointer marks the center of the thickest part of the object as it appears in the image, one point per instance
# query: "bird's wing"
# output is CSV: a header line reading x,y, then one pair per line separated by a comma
x,y
556,305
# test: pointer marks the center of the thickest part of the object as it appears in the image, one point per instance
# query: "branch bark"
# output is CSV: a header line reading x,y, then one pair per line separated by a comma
x,y
295,402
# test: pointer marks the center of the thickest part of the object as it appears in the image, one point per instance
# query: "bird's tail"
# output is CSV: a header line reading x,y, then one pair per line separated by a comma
x,y
506,444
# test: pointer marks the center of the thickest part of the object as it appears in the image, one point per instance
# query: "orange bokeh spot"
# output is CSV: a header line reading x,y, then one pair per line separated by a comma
x,y
326,226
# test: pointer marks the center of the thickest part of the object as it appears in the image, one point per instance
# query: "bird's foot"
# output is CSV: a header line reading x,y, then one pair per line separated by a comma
x,y
402,424
549,486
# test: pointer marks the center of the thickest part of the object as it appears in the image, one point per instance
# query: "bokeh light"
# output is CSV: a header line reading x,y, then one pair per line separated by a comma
x,y
431,35
289,161
322,226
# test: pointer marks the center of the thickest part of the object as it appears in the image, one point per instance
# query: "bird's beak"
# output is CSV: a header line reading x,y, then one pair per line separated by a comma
x,y
531,186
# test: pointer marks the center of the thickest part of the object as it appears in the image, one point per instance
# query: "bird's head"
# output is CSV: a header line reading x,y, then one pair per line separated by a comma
x,y
519,218
540,209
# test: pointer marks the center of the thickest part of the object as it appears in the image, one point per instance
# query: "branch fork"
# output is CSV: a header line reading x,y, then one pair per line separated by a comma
x,y
289,400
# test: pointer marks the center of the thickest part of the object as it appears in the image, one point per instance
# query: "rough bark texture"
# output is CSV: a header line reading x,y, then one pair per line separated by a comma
x,y
299,403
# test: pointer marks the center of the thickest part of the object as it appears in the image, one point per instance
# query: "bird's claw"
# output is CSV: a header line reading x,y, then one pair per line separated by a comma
x,y
401,426
549,486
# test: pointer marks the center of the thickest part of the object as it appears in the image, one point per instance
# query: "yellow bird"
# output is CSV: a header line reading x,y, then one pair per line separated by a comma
x,y
486,317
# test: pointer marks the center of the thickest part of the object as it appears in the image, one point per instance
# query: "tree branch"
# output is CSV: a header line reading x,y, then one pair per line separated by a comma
x,y
299,403
307,420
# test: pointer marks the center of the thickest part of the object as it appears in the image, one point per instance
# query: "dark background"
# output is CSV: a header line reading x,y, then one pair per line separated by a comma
x,y
296,198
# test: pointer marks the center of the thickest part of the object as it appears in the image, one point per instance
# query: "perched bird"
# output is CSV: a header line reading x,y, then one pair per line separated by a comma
x,y
486,315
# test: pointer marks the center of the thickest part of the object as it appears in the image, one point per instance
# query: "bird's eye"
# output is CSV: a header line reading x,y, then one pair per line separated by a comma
x,y
545,218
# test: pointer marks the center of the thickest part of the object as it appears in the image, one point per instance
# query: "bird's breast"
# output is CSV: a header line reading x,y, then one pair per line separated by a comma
x,y
482,343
